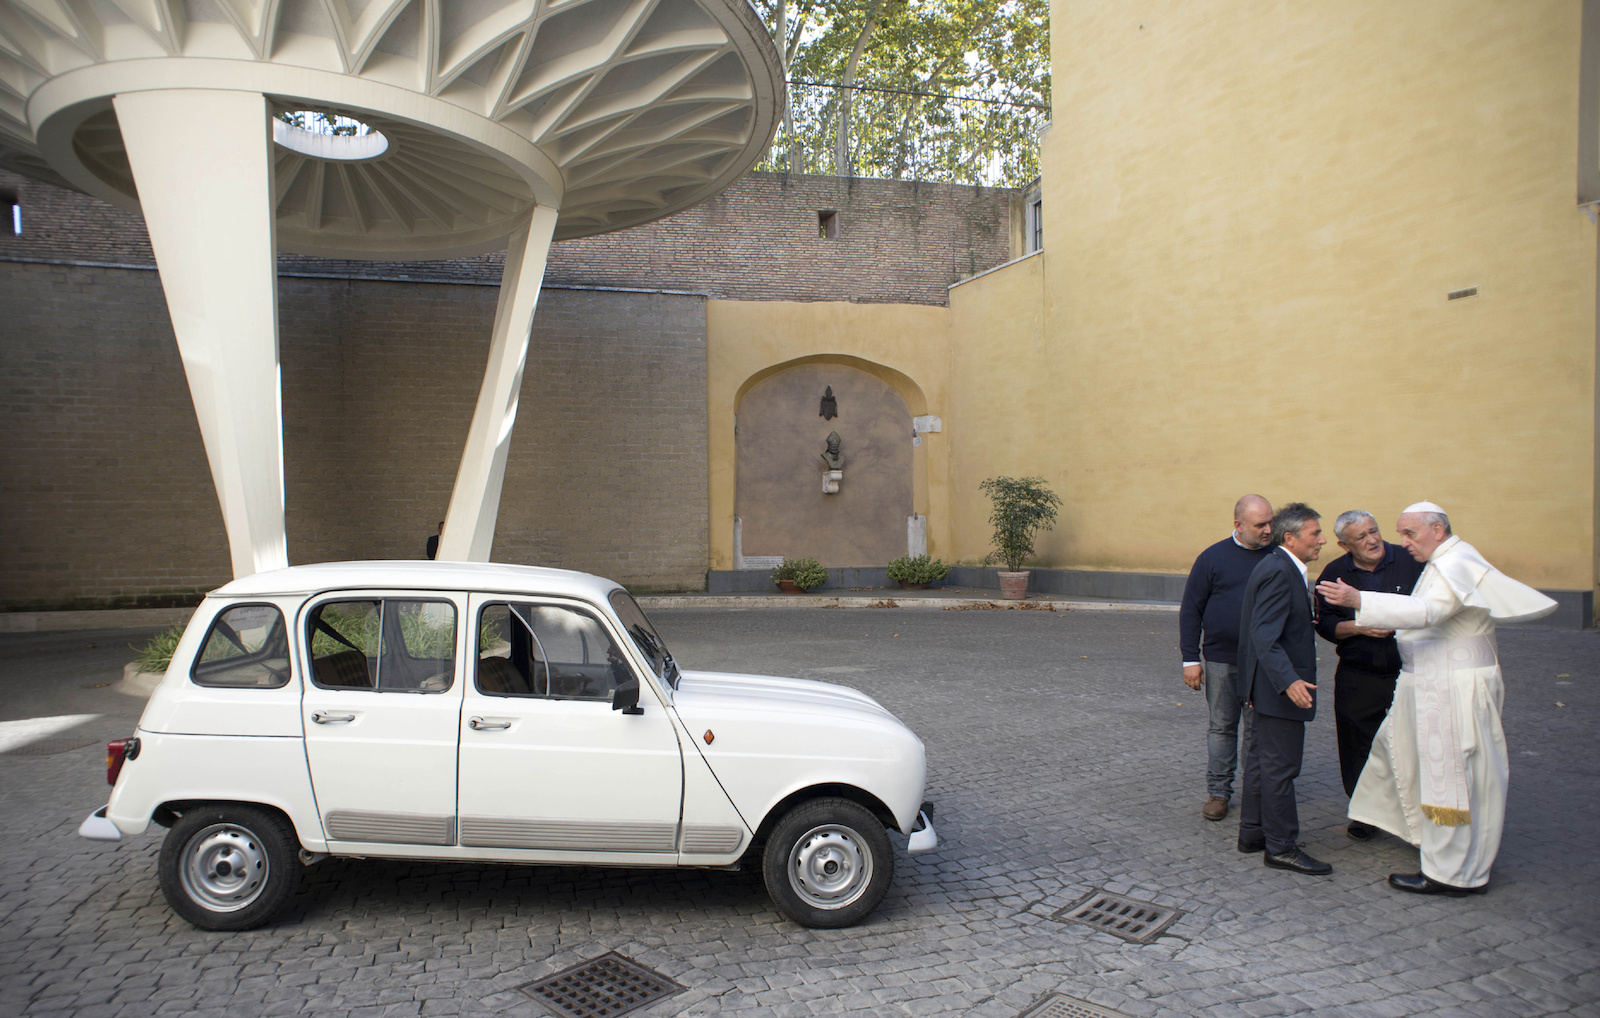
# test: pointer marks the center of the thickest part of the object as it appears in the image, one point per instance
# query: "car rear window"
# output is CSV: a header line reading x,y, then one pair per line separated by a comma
x,y
246,647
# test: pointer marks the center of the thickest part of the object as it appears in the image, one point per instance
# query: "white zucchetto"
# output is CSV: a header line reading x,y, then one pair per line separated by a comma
x,y
1424,507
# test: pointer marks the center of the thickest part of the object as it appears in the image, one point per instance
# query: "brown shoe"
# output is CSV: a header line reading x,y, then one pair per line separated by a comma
x,y
1215,808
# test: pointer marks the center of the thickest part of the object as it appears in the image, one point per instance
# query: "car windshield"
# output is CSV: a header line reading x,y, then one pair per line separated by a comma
x,y
645,636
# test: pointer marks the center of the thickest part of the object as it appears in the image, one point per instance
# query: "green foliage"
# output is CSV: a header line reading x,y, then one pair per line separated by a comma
x,y
428,634
942,89
1022,507
805,573
356,622
917,569
156,655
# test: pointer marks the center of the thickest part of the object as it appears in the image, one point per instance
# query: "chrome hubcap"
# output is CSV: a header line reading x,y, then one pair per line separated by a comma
x,y
829,867
224,867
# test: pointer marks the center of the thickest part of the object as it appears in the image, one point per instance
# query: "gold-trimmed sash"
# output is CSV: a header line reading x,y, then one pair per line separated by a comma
x,y
1442,764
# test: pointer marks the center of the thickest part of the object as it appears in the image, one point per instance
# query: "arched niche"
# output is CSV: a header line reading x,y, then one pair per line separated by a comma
x,y
780,436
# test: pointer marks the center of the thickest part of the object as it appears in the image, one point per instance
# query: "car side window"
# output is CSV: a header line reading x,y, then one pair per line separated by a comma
x,y
247,647
388,645
548,651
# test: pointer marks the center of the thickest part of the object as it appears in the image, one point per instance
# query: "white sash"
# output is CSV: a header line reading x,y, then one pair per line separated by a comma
x,y
1442,759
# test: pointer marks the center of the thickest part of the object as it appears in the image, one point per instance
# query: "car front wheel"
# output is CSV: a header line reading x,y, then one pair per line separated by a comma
x,y
228,866
827,863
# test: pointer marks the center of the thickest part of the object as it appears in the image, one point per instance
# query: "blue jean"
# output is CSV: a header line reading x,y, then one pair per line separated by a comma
x,y
1226,733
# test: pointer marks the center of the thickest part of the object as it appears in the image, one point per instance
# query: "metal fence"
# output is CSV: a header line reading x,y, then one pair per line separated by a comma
x,y
907,135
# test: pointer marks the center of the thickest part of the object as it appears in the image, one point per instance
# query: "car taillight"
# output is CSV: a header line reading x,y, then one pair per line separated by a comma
x,y
118,752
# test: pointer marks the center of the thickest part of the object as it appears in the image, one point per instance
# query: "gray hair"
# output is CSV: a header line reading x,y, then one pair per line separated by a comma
x,y
1428,519
1349,519
1291,519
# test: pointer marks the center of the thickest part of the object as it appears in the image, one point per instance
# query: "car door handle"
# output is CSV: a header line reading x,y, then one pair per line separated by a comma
x,y
322,717
480,725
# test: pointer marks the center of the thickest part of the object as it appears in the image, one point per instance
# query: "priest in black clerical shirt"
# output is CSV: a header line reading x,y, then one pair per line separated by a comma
x,y
1369,659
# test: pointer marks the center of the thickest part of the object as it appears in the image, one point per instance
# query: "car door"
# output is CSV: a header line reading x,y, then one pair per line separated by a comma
x,y
547,767
382,710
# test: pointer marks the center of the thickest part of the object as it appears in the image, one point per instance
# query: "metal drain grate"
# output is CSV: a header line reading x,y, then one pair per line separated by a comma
x,y
1128,918
604,987
1059,1006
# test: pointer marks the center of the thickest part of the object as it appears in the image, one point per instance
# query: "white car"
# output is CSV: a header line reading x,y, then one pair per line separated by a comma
x,y
466,711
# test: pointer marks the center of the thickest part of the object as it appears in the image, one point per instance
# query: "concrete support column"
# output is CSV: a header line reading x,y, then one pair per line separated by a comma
x,y
202,160
475,502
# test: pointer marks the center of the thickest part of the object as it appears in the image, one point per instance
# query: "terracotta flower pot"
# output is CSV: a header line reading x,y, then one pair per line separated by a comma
x,y
788,587
1014,585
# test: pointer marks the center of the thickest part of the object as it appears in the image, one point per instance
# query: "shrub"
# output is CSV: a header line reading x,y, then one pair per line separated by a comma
x,y
805,573
156,655
917,569
1022,507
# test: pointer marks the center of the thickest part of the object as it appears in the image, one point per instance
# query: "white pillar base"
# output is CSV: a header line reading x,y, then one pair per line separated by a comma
x,y
202,160
475,502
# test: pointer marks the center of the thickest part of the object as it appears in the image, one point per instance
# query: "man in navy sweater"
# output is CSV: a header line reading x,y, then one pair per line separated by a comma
x,y
1208,637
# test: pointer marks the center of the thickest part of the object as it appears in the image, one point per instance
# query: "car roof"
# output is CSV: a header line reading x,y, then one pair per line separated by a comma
x,y
420,575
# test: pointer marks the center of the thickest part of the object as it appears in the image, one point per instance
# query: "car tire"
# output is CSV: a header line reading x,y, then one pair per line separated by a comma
x,y
827,863
229,866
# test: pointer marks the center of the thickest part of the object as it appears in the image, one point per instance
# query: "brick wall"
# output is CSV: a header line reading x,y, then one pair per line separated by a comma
x,y
105,496
899,242
106,499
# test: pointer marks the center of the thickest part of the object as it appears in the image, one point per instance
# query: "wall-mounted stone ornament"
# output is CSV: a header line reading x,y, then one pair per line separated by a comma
x,y
833,464
830,406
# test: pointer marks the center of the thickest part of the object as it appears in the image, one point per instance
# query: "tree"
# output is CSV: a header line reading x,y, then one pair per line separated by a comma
x,y
932,89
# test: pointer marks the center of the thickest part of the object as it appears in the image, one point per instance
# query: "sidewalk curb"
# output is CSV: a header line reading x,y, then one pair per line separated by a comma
x,y
136,683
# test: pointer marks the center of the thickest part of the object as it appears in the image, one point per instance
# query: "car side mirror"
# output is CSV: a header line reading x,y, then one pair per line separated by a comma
x,y
626,697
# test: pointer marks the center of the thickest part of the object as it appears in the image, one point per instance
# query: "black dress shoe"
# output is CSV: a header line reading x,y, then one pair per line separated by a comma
x,y
1298,861
1252,843
1360,831
1416,883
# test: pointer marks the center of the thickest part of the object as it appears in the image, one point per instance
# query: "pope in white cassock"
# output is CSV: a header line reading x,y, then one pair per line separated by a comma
x,y
1438,770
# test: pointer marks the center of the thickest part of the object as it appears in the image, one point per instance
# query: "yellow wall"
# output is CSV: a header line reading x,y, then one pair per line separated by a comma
x,y
1004,408
1253,214
906,345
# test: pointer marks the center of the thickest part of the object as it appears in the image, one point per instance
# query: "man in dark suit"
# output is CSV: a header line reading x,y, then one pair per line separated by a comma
x,y
1277,677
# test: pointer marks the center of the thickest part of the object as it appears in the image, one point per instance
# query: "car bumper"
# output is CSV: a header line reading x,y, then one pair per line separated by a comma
x,y
923,837
96,827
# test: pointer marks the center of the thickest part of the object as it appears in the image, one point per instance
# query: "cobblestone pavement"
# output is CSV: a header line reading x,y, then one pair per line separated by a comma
x,y
1064,755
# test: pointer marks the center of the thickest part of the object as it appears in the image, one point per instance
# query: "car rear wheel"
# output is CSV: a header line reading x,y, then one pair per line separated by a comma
x,y
827,863
228,866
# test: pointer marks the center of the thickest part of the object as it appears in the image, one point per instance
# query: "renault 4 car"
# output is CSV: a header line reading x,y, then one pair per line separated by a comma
x,y
495,713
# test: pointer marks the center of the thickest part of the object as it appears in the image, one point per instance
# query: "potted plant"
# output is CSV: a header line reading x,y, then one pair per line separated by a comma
x,y
798,575
915,572
1022,507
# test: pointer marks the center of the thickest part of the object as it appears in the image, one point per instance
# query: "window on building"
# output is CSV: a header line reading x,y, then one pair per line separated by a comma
x,y
15,208
828,224
1036,225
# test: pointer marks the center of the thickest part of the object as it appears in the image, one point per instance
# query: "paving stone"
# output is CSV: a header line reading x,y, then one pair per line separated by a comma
x,y
1054,775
